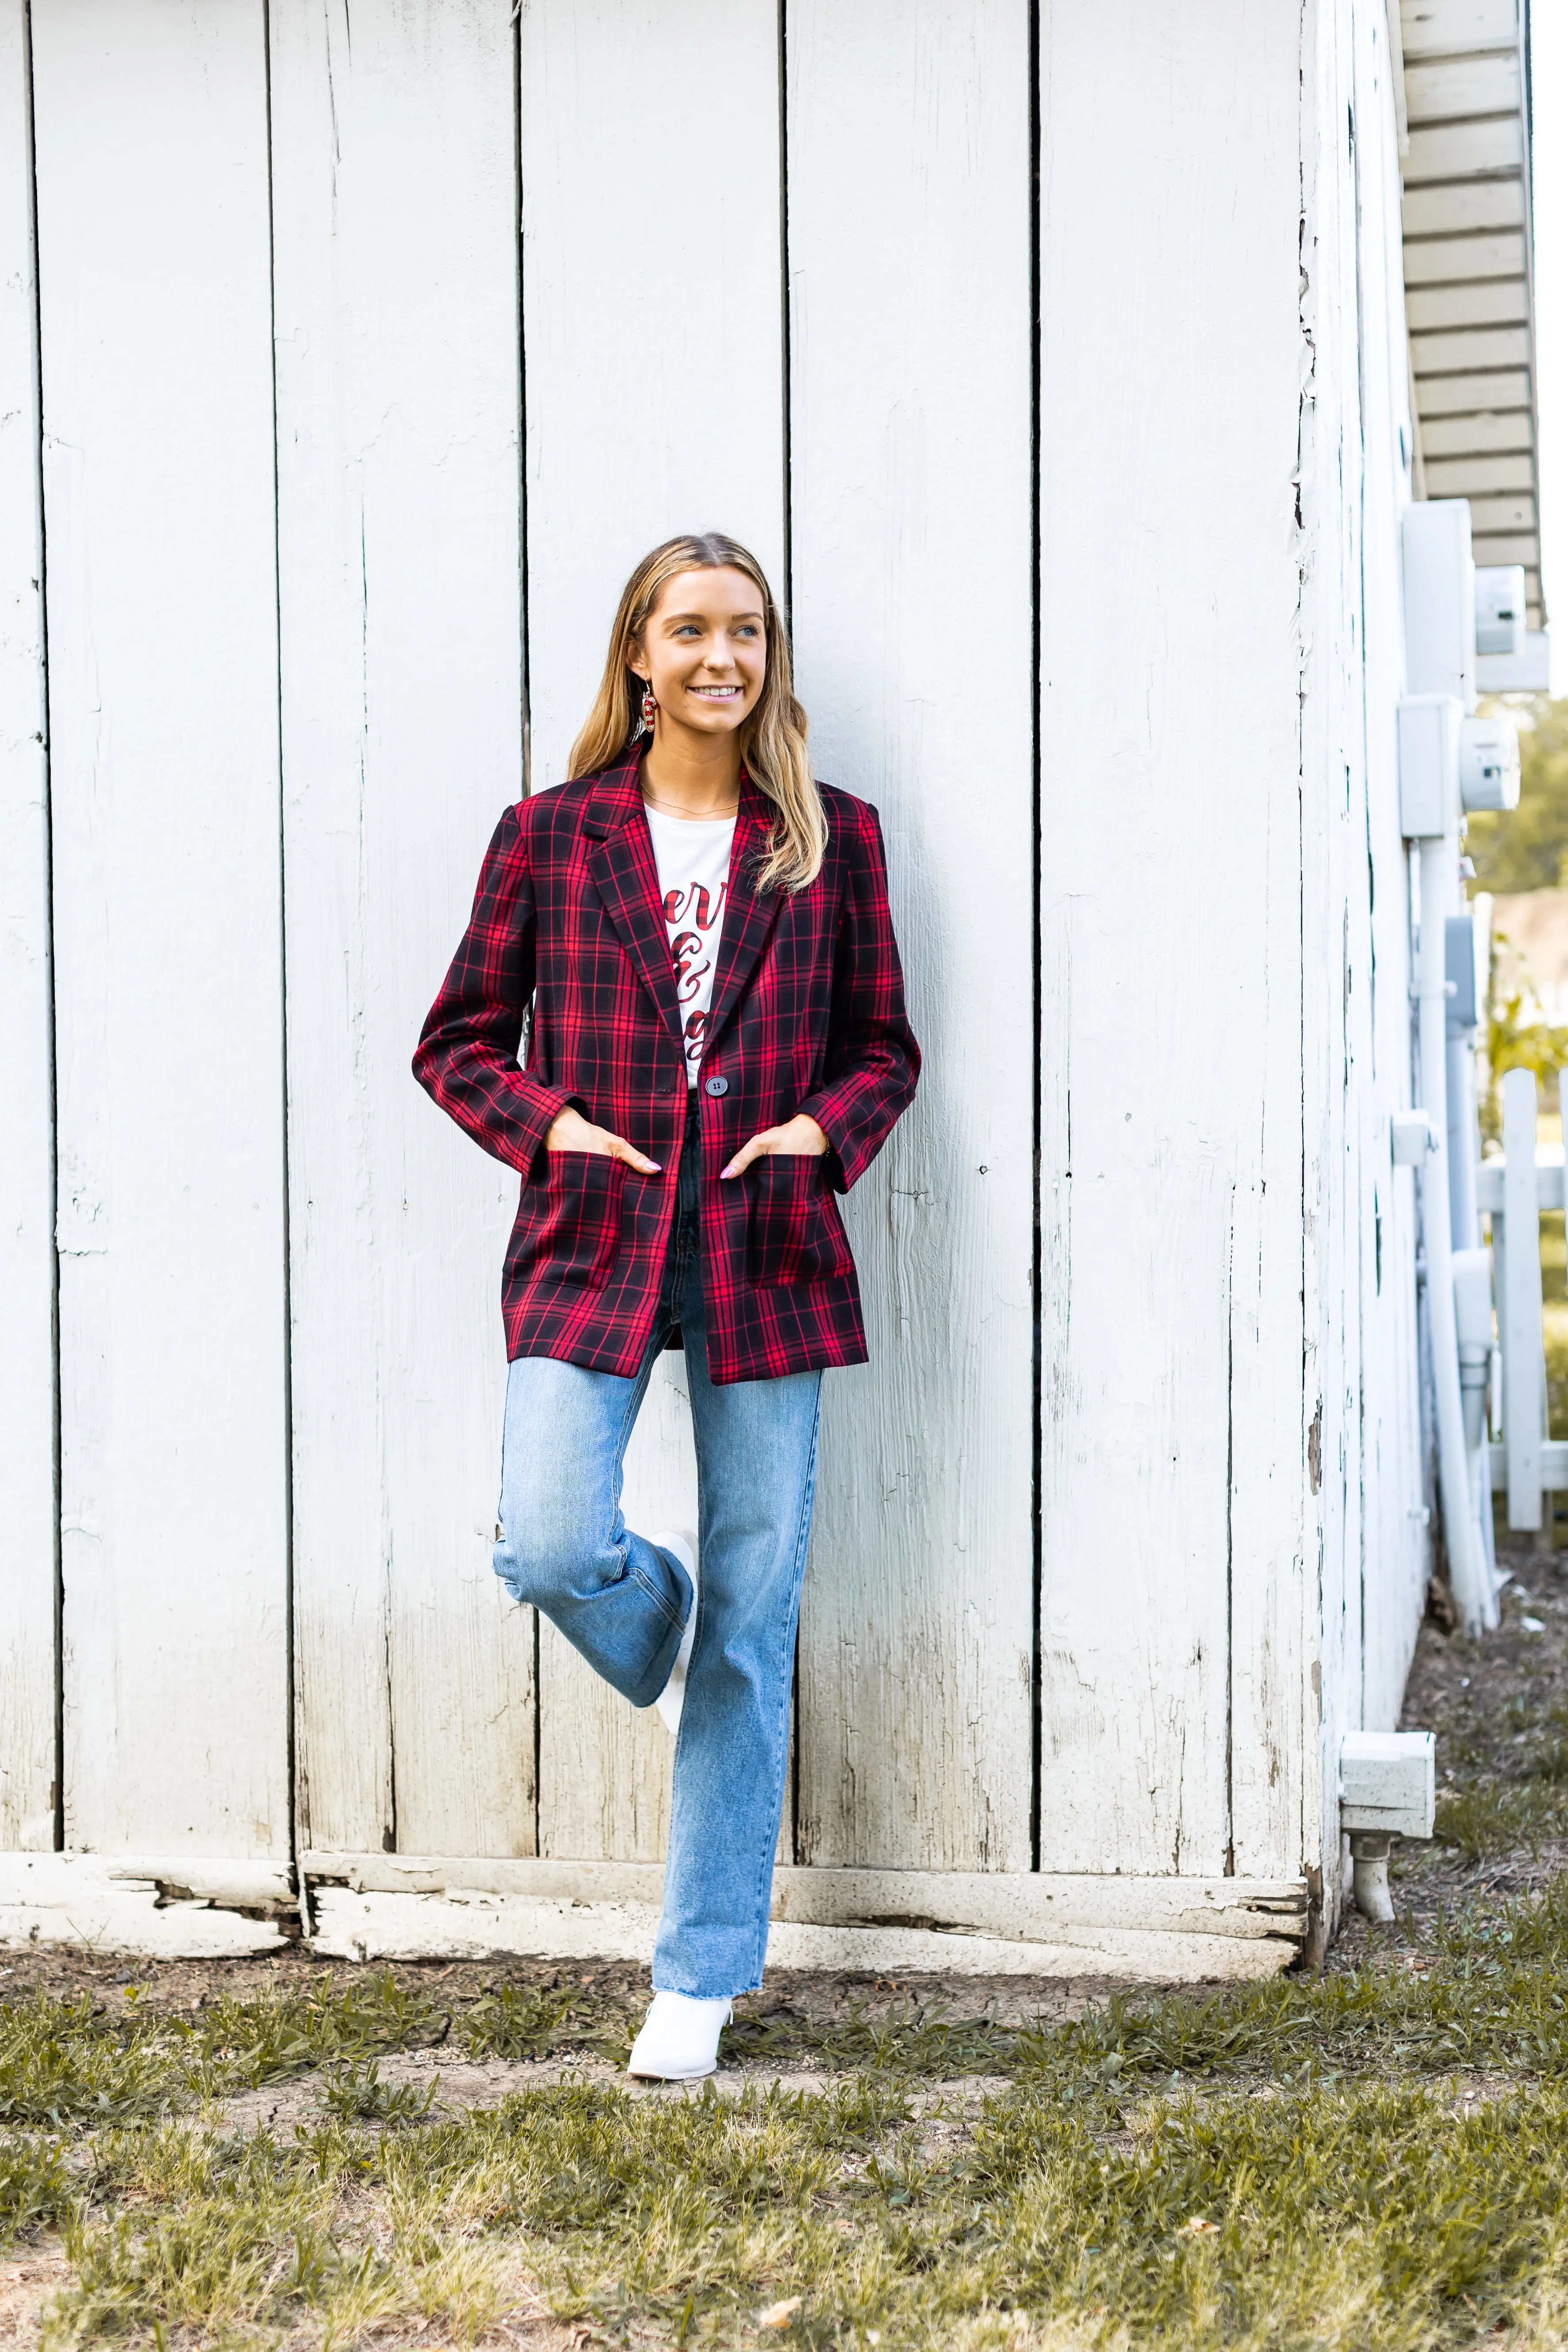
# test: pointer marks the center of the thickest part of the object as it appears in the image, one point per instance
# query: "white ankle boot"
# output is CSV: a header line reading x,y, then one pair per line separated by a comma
x,y
683,1544
680,2038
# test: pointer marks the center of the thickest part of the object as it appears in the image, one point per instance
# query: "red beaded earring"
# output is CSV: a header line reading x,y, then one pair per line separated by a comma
x,y
648,708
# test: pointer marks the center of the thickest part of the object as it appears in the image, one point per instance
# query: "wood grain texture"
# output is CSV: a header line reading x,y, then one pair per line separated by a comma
x,y
1029,1904
470,1925
398,549
908,176
1332,783
28,1663
1359,1229
1397,1546
654,381
80,1899
159,489
1172,1453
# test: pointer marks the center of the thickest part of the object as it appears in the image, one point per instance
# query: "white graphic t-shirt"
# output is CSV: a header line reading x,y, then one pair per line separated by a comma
x,y
693,860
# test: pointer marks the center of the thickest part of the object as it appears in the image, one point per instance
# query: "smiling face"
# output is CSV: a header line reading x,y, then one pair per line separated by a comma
x,y
704,651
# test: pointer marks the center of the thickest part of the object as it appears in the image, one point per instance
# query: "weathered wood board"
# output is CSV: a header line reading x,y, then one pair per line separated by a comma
x,y
27,1526
470,1926
1033,1905
654,391
395,272
1332,778
1397,1547
909,156
1171,1473
159,490
376,346
147,1907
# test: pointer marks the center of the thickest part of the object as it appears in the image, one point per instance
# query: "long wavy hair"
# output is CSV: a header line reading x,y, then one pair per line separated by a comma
x,y
772,740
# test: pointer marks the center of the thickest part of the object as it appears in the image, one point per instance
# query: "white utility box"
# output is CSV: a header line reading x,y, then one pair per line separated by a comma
x,y
1488,763
1439,600
1429,764
1388,1781
1526,672
1499,609
1410,1138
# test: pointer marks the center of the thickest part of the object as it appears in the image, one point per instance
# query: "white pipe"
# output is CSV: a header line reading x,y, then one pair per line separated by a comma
x,y
1476,1344
1465,1224
1473,1322
1467,1566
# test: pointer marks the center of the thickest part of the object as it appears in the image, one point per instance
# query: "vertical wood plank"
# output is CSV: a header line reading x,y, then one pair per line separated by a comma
x,y
159,492
909,254
652,339
1171,1476
1331,784
394,190
1396,1542
28,1662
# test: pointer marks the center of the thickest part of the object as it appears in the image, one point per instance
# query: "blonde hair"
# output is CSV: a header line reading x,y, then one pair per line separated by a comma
x,y
772,740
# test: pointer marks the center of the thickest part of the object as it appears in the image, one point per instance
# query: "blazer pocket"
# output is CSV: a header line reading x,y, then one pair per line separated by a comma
x,y
793,1230
572,1228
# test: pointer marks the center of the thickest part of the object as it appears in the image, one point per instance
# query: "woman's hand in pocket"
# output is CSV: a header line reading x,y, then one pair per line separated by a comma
x,y
799,1138
569,1131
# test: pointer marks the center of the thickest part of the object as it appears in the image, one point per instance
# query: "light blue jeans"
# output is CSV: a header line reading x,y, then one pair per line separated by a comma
x,y
566,1547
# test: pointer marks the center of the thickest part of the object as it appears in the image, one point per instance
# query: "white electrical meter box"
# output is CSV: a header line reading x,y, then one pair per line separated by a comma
x,y
1500,608
1488,763
1439,600
1529,672
1428,764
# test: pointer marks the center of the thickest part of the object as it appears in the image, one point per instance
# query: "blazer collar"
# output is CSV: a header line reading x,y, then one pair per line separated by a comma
x,y
621,863
747,917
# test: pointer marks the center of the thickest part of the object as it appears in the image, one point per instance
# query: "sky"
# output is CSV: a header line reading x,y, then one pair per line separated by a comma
x,y
1548,164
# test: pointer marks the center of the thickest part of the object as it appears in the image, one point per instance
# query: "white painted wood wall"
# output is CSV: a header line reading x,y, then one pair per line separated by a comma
x,y
372,355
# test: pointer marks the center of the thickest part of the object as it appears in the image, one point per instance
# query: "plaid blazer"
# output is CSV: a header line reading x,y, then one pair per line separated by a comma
x,y
807,1016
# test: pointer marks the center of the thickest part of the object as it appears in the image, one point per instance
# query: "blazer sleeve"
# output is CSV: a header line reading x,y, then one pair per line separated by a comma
x,y
873,1064
467,1055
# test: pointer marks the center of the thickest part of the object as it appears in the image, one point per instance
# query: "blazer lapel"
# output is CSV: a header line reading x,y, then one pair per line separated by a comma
x,y
748,919
622,865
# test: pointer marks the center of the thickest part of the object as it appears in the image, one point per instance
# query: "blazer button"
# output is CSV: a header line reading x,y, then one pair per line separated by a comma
x,y
716,1085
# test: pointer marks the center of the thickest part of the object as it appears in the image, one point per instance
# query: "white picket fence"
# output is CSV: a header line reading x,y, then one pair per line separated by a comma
x,y
1514,1190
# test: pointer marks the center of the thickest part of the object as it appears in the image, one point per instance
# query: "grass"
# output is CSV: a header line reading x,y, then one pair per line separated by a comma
x,y
1374,2159
1301,2161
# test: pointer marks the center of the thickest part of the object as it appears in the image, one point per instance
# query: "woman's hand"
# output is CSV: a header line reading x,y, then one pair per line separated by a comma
x,y
569,1131
798,1138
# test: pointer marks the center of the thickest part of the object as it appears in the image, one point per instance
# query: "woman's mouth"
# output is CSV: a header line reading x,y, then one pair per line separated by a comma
x,y
715,693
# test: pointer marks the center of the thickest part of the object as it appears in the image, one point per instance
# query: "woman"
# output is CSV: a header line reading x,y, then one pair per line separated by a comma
x,y
717,1046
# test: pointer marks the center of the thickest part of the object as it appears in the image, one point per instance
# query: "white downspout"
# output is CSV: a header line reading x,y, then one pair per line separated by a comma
x,y
1468,1568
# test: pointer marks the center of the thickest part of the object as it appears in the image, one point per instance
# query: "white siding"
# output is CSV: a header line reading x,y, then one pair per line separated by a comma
x,y
370,367
909,180
153,241
393,167
27,1255
1172,1453
654,387
1361,1225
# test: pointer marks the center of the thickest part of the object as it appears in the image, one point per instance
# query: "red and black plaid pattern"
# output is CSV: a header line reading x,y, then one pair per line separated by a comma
x,y
807,1016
